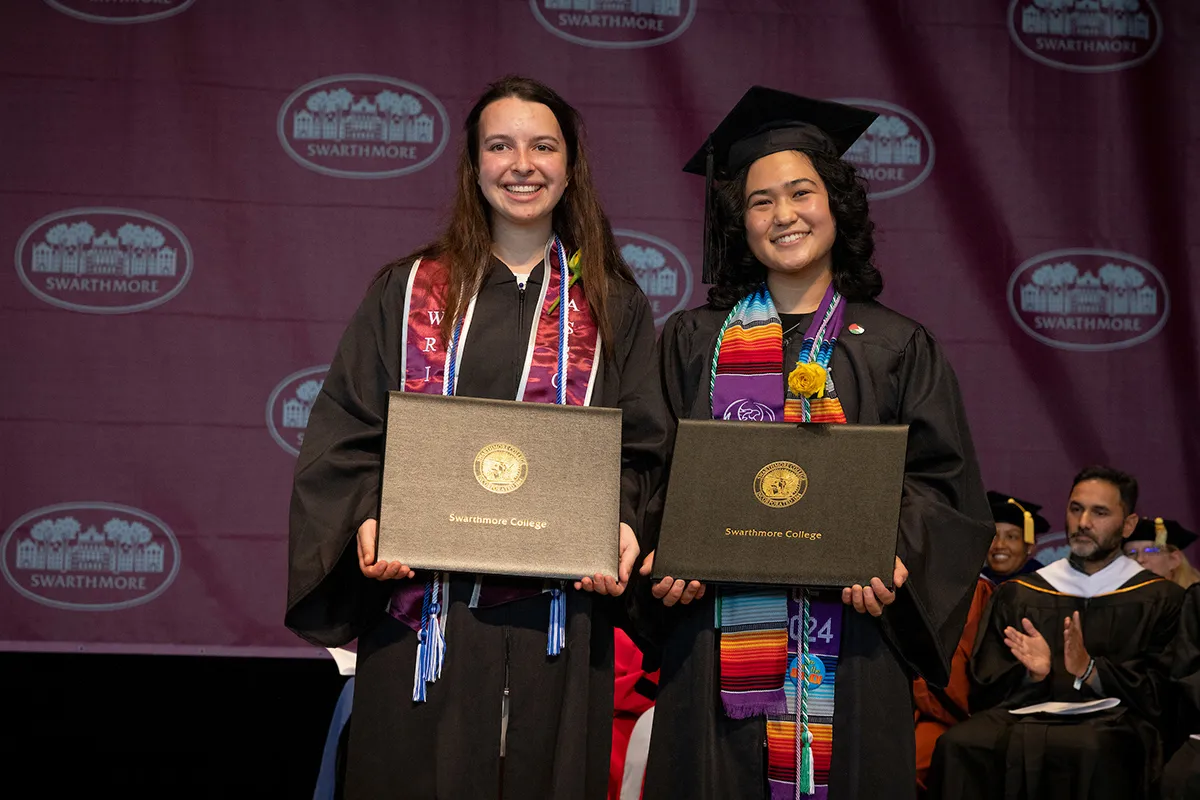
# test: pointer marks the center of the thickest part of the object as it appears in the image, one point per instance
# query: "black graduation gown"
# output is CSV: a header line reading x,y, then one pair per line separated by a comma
x,y
560,723
893,372
1109,754
1181,777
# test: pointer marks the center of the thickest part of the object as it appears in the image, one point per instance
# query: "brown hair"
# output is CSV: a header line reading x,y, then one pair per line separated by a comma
x,y
465,246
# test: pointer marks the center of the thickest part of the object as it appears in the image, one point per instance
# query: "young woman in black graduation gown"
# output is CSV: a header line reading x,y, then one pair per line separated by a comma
x,y
523,186
786,211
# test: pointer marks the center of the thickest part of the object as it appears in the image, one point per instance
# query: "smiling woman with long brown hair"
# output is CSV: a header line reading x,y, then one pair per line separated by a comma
x,y
521,704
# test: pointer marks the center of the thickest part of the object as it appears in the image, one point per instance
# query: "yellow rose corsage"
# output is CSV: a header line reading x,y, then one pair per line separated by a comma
x,y
576,271
807,380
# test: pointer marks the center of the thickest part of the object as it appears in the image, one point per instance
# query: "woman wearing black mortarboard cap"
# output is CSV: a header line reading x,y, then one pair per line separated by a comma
x,y
1018,524
791,313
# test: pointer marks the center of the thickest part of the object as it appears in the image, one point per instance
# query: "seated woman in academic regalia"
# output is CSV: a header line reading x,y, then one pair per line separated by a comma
x,y
1018,524
792,324
1181,776
1092,628
936,709
467,688
1158,545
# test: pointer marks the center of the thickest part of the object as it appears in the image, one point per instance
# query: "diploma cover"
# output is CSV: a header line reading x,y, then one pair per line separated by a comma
x,y
769,503
500,487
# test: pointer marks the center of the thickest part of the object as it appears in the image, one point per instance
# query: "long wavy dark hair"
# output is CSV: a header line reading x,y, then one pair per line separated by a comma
x,y
739,273
465,246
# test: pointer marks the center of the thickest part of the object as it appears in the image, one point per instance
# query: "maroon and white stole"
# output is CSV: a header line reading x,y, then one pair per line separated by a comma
x,y
561,362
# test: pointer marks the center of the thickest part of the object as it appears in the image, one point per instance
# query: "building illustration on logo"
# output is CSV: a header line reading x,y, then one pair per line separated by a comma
x,y
362,126
660,269
290,404
297,408
1116,290
1086,35
1087,19
888,141
75,249
660,8
895,154
335,115
61,545
89,556
650,268
1089,299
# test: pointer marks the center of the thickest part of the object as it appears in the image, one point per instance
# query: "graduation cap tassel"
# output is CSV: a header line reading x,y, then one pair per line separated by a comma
x,y
709,270
1028,521
1160,532
431,639
556,636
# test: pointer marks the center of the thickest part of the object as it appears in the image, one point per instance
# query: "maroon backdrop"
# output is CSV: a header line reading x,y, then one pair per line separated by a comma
x,y
196,194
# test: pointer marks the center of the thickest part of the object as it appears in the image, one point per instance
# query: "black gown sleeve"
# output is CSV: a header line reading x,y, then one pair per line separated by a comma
x,y
996,675
945,526
646,431
1143,681
1185,662
337,478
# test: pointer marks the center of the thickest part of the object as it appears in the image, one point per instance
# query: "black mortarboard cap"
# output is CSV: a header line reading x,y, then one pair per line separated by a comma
x,y
767,121
1162,531
1022,513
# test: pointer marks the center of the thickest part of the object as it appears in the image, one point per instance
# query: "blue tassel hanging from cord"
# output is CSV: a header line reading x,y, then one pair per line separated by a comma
x,y
556,635
431,638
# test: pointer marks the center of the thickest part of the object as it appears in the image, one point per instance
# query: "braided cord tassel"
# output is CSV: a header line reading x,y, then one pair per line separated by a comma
x,y
431,638
556,636
804,754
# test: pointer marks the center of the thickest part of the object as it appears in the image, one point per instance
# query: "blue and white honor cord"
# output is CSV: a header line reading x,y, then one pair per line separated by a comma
x,y
431,638
556,635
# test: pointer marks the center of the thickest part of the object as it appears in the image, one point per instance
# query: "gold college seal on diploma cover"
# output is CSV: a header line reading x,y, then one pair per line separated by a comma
x,y
780,484
501,468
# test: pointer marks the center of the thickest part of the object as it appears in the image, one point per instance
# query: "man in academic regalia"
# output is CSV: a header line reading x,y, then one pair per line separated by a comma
x,y
1018,523
1094,626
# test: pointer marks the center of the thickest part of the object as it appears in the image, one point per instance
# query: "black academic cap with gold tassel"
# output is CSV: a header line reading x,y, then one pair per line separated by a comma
x,y
1162,532
1027,520
1022,513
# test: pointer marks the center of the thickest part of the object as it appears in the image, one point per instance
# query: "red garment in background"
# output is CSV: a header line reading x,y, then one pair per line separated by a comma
x,y
930,718
628,704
